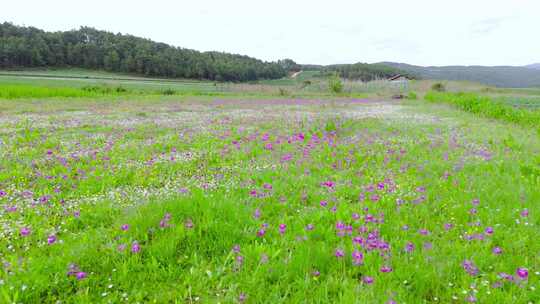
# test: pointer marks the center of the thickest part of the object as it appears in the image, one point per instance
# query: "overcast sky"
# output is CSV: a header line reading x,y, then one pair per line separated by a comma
x,y
422,32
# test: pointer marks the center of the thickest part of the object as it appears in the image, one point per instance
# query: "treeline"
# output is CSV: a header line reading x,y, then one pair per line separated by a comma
x,y
94,49
365,71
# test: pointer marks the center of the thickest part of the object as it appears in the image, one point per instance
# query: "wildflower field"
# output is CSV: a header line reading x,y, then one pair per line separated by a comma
x,y
237,199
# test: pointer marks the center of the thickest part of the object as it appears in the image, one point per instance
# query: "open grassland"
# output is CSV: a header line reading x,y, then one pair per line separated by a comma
x,y
67,73
37,86
265,199
307,84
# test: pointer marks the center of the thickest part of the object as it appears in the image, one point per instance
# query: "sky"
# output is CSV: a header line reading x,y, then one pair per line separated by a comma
x,y
420,32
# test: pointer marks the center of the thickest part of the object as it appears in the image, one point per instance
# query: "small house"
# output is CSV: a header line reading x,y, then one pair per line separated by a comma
x,y
399,81
398,78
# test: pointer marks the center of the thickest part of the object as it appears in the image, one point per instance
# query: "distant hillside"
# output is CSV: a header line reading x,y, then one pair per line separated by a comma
x,y
500,76
533,66
93,49
359,71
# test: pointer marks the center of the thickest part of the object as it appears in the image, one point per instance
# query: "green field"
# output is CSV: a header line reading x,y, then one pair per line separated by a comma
x,y
267,192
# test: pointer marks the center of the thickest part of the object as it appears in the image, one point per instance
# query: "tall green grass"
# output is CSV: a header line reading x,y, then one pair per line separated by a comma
x,y
30,91
488,107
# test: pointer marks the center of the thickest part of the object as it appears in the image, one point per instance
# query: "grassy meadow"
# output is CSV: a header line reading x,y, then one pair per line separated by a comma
x,y
270,192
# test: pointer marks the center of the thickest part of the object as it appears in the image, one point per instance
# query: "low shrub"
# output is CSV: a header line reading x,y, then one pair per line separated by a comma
x,y
438,87
168,92
335,84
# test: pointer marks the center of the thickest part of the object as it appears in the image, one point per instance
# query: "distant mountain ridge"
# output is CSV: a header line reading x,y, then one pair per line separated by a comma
x,y
500,76
533,66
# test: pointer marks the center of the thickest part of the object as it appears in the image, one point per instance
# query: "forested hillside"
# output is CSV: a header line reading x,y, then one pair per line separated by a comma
x,y
365,71
359,71
94,49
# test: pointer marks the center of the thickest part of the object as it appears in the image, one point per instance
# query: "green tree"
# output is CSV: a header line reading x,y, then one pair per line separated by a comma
x,y
335,84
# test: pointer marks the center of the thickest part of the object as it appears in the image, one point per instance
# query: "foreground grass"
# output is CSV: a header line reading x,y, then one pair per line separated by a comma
x,y
489,107
257,203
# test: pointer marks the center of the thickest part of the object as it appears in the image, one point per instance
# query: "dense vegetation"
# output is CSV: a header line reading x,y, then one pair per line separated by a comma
x,y
94,49
488,107
500,76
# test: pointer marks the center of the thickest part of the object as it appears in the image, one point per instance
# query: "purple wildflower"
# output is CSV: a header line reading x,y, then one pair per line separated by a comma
x,y
51,239
124,227
522,273
470,268
368,280
386,269
374,198
81,275
409,247
497,250
72,269
328,184
423,231
506,276
257,213
339,253
25,231
135,247
239,260
358,240
11,208
358,258
282,228
286,157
